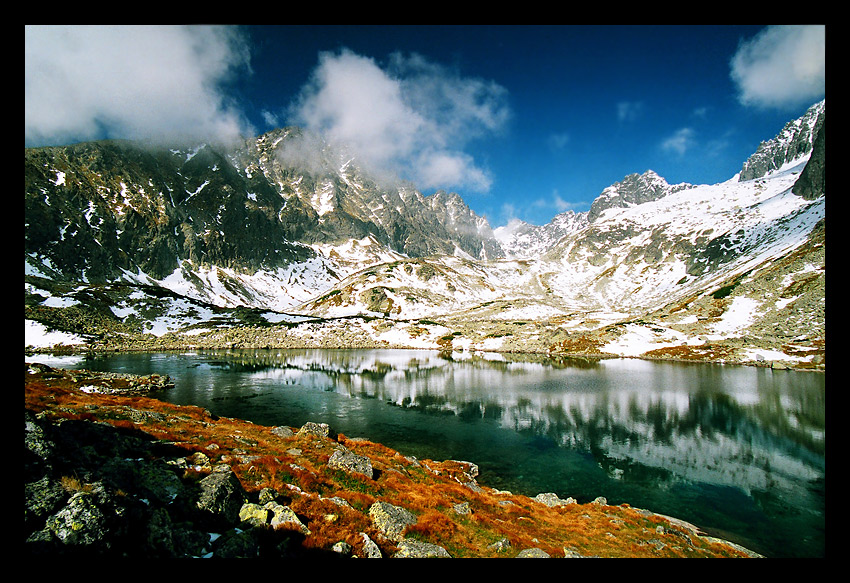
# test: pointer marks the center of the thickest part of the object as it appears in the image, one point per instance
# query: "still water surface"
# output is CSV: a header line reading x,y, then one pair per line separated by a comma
x,y
738,451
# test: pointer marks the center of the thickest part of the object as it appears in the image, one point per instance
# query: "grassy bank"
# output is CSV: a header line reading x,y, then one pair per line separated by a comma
x,y
451,507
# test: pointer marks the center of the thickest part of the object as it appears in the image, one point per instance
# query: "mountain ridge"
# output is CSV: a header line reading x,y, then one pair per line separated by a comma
x,y
274,226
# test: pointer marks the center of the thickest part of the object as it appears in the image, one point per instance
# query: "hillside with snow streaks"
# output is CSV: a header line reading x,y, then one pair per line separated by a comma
x,y
284,242
759,220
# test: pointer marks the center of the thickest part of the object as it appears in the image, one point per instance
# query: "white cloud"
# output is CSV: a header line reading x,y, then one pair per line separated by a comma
x,y
629,110
558,141
90,82
680,142
413,118
782,66
557,203
270,118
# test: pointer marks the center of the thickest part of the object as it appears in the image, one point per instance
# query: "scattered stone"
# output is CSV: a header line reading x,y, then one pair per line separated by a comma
x,y
200,461
534,553
272,515
370,548
342,547
267,495
41,498
414,549
339,501
254,514
462,508
236,544
500,545
80,522
468,470
282,431
551,499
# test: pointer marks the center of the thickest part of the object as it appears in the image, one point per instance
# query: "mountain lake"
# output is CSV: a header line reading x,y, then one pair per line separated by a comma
x,y
738,451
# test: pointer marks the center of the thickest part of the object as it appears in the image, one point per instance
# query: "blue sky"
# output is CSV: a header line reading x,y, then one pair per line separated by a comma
x,y
522,121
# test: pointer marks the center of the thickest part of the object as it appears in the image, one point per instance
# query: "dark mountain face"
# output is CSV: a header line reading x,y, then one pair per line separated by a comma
x,y
796,139
98,208
812,181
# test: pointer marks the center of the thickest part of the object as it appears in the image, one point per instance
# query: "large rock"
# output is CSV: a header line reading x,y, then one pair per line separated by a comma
x,y
41,498
236,544
414,549
534,553
222,496
272,515
317,429
551,499
284,517
391,520
81,522
348,461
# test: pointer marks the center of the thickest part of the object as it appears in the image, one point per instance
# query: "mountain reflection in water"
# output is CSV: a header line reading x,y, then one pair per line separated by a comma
x,y
739,450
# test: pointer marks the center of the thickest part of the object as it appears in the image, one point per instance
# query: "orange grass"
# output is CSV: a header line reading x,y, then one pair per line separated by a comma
x,y
296,467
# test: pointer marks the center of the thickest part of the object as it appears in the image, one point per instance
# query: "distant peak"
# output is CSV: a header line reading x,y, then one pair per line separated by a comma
x,y
793,143
633,189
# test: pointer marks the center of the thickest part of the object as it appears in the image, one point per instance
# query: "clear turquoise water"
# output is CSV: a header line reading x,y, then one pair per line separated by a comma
x,y
739,451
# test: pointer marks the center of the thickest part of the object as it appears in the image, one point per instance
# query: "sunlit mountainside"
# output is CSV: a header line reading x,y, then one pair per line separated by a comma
x,y
284,241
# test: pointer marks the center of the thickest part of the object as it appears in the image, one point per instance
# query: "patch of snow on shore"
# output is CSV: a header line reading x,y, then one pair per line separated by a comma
x,y
737,316
38,336
639,339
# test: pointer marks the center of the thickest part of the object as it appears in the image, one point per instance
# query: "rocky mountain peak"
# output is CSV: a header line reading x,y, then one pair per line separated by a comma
x,y
791,144
521,240
633,189
464,224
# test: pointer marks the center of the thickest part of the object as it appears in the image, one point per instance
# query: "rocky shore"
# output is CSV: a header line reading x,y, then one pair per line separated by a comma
x,y
110,471
455,334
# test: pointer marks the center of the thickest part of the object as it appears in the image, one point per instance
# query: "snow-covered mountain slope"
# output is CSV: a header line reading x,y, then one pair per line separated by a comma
x,y
317,254
521,240
629,261
634,189
647,255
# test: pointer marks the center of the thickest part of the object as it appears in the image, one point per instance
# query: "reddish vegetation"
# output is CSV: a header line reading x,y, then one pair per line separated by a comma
x,y
297,467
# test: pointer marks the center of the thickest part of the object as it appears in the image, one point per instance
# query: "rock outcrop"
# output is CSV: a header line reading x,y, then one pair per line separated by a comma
x,y
793,141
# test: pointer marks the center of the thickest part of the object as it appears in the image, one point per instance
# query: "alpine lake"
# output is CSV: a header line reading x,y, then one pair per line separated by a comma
x,y
738,451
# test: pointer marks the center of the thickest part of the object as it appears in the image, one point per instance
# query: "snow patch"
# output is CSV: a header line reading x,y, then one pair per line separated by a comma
x,y
740,314
38,336
640,339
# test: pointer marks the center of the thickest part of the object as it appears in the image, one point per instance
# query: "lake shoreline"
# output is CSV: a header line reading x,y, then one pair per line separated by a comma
x,y
348,383
56,393
143,347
